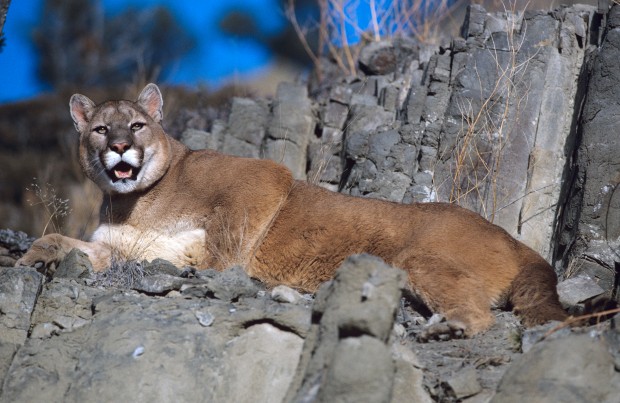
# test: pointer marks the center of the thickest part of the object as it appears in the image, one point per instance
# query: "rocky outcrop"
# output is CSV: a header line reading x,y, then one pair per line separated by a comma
x,y
184,335
346,356
578,368
589,236
279,130
86,339
199,336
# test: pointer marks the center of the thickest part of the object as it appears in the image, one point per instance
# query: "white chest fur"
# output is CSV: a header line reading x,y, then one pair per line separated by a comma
x,y
181,246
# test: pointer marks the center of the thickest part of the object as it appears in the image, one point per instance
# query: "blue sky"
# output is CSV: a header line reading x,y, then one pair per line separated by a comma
x,y
217,57
211,62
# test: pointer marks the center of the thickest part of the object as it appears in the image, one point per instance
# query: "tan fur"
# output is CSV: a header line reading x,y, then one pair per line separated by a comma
x,y
206,209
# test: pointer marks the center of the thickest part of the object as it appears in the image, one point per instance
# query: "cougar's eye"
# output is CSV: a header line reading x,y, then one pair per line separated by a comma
x,y
101,129
137,126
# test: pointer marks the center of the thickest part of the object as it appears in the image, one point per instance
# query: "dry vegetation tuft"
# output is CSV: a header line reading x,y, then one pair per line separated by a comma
x,y
339,29
486,128
123,274
44,195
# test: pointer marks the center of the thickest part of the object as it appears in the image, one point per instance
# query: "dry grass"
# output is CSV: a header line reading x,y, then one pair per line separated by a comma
x,y
486,129
324,157
573,268
53,207
134,243
582,320
339,29
485,133
123,274
226,241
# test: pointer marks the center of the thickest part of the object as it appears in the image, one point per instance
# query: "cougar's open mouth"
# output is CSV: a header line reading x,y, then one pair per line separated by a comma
x,y
123,170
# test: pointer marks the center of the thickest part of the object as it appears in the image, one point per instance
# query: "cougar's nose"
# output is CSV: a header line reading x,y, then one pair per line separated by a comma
x,y
120,147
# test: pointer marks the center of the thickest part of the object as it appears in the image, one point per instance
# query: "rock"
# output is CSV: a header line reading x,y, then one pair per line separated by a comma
x,y
483,397
7,352
532,135
378,58
195,139
274,356
335,115
44,330
383,162
324,158
290,128
289,317
474,21
341,94
247,125
69,323
162,283
590,227
19,290
74,265
57,378
156,278
228,285
464,384
199,139
364,99
361,370
5,259
533,335
547,158
287,153
282,293
204,318
578,289
353,313
153,348
384,57
612,336
389,98
572,369
63,306
17,241
408,378
161,266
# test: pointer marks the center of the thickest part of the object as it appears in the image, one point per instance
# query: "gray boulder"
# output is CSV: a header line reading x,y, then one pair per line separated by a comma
x,y
346,356
572,369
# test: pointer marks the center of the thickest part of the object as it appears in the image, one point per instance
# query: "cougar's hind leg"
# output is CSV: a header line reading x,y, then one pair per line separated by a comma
x,y
449,289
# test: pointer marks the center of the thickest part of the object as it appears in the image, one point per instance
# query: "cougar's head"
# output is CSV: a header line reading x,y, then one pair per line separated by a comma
x,y
123,147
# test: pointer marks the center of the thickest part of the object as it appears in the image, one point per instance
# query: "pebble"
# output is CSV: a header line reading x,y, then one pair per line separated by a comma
x,y
285,294
204,318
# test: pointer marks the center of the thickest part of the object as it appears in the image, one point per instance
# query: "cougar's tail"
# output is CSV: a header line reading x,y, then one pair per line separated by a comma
x,y
534,296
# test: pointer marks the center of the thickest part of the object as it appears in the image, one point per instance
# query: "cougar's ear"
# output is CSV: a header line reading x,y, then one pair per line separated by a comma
x,y
81,108
151,100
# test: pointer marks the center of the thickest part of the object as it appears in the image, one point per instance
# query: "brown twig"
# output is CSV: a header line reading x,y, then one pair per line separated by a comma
x,y
576,319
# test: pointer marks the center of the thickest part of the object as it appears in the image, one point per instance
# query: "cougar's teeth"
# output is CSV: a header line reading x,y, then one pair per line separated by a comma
x,y
123,174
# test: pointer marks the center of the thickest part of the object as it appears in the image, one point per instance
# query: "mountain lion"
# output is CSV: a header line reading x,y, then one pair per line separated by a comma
x,y
209,210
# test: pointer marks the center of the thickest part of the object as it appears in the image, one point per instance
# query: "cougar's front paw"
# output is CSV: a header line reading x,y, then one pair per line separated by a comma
x,y
44,255
440,329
